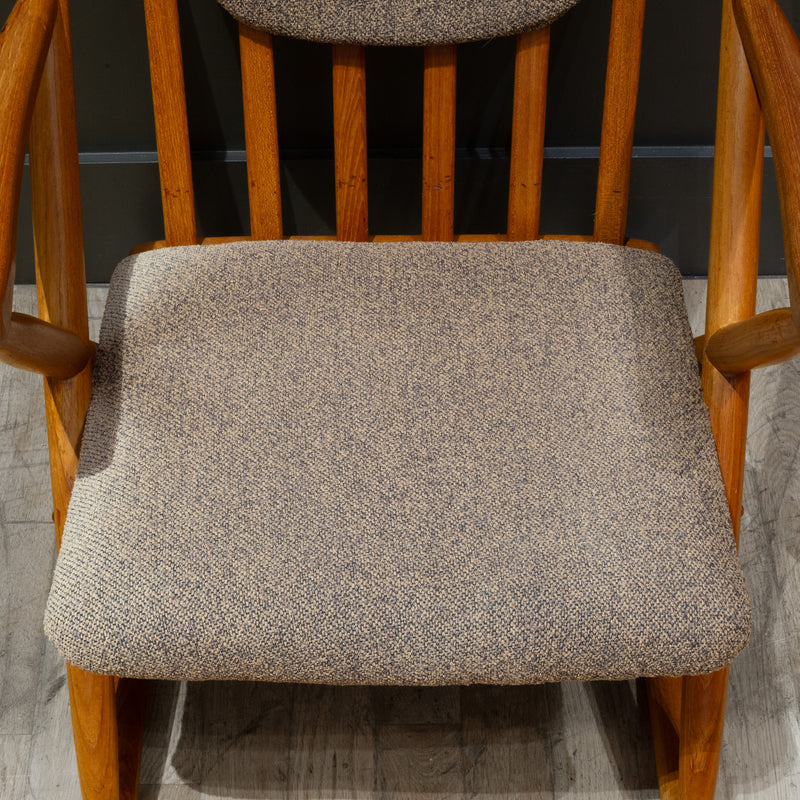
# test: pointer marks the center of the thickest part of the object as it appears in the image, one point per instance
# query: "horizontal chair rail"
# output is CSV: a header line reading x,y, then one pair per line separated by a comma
x,y
639,244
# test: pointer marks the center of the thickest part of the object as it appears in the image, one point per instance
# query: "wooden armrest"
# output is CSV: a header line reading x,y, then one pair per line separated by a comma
x,y
24,43
759,341
773,53
37,346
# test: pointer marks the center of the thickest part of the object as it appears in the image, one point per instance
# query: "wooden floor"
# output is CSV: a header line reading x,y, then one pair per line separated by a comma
x,y
314,743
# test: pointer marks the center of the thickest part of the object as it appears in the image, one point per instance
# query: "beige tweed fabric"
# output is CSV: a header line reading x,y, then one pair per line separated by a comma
x,y
396,22
397,464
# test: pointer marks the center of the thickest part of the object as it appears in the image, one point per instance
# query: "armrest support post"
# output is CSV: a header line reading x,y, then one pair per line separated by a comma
x,y
733,256
58,236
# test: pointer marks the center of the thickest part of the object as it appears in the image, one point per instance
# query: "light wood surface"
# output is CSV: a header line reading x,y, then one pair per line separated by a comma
x,y
94,729
773,53
758,341
58,241
700,739
261,133
619,114
24,44
40,347
439,143
733,253
527,134
350,141
172,127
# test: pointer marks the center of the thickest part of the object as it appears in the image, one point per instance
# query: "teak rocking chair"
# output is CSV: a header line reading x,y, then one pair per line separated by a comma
x,y
385,425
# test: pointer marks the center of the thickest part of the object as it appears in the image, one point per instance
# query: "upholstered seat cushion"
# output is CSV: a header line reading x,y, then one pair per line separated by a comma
x,y
401,463
396,22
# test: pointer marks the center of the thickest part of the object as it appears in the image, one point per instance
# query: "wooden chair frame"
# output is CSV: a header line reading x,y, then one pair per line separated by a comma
x,y
37,102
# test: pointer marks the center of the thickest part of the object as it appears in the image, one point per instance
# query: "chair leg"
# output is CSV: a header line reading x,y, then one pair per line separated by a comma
x,y
94,728
131,707
702,720
664,704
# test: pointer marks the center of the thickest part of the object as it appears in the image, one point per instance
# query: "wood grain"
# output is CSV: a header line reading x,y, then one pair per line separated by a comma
x,y
24,45
37,346
172,127
439,143
619,113
773,53
94,728
332,744
733,253
58,241
527,134
666,692
700,742
350,141
759,341
261,133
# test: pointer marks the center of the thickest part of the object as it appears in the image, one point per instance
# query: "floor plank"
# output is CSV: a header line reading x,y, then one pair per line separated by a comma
x,y
218,740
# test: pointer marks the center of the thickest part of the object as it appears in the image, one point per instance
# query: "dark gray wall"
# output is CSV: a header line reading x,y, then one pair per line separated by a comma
x,y
671,177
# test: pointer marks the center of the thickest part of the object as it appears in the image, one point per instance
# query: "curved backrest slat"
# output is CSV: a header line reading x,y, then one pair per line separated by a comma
x,y
439,143
527,135
350,142
172,127
261,134
619,113
397,22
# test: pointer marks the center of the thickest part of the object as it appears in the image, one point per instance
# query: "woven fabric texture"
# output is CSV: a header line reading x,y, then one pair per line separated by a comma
x,y
396,22
397,464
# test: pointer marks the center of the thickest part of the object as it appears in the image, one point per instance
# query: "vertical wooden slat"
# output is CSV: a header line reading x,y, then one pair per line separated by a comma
x,y
172,127
350,141
732,280
527,136
619,111
439,143
261,133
